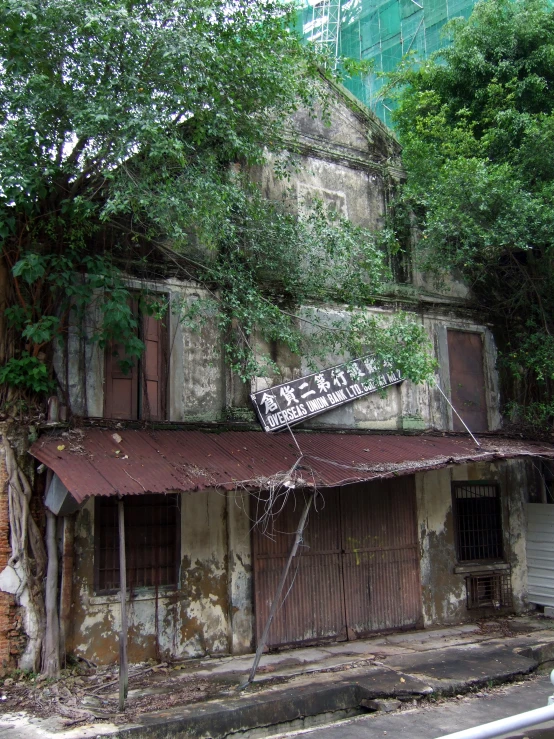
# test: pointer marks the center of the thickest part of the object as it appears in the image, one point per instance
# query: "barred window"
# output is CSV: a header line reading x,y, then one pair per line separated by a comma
x,y
478,521
152,541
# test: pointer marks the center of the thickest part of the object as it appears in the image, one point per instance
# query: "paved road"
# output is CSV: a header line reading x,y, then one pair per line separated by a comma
x,y
431,721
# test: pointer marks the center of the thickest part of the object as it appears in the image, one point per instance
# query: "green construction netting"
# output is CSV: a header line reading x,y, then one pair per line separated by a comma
x,y
381,31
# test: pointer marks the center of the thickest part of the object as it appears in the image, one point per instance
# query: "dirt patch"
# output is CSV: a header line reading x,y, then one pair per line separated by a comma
x,y
498,626
89,694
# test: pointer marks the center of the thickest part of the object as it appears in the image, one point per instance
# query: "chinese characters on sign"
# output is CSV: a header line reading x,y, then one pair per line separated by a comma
x,y
295,401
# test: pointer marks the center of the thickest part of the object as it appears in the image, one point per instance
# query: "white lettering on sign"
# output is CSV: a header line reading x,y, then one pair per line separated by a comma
x,y
287,404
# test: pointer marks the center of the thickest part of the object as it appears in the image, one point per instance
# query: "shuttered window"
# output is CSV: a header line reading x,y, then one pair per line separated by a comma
x,y
152,541
139,393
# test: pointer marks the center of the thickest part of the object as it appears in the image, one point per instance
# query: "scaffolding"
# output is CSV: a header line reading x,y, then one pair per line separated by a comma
x,y
323,27
381,31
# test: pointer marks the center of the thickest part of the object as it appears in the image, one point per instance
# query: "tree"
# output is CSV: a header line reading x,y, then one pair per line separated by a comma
x,y
477,125
119,121
128,129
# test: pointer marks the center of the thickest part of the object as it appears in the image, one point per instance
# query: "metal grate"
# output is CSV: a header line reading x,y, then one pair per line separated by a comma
x,y
490,590
152,525
478,521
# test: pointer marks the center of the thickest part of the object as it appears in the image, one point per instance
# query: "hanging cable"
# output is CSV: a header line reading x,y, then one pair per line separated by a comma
x,y
456,412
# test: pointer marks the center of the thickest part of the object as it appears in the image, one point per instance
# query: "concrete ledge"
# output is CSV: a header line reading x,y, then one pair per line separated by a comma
x,y
306,687
457,670
541,653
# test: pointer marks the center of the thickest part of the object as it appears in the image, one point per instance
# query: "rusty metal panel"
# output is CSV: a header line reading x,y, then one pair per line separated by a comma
x,y
467,380
173,460
381,556
358,571
313,602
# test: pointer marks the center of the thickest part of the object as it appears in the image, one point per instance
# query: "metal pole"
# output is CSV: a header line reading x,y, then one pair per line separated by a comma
x,y
512,723
123,667
280,586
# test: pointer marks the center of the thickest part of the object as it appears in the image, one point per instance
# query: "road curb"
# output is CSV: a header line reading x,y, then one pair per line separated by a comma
x,y
337,698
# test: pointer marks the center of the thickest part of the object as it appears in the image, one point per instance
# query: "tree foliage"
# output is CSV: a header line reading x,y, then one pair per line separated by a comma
x,y
476,122
119,123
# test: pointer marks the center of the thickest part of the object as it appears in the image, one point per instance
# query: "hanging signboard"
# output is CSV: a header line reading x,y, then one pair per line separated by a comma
x,y
292,402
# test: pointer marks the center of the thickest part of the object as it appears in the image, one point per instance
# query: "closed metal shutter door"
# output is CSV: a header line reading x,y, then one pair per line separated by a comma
x,y
357,571
540,553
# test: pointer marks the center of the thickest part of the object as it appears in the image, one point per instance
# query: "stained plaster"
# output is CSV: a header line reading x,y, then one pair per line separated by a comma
x,y
209,613
443,590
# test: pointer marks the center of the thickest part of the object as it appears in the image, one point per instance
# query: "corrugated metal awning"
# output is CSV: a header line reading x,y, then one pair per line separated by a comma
x,y
130,462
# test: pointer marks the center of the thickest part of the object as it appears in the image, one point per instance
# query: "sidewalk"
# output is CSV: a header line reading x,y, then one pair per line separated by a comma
x,y
295,688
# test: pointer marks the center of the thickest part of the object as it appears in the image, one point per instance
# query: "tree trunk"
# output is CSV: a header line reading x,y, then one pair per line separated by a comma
x,y
23,576
4,288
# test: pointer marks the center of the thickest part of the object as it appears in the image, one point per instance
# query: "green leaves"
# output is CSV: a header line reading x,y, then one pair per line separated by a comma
x,y
128,128
87,85
476,123
28,373
30,268
43,331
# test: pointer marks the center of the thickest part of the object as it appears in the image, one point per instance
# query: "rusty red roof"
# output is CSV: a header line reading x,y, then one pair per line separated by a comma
x,y
130,462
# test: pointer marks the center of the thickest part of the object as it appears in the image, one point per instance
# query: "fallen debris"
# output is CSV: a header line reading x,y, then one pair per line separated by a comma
x,y
85,692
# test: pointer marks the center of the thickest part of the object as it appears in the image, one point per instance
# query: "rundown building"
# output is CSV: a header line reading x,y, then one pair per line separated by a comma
x,y
414,523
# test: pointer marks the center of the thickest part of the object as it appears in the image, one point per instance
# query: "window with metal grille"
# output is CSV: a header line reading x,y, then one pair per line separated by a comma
x,y
478,521
152,541
490,590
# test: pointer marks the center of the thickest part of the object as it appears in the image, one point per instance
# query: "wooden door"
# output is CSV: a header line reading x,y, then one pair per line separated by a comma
x,y
467,380
153,369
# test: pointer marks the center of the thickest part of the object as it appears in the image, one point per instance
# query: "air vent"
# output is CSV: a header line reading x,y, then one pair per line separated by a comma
x,y
489,590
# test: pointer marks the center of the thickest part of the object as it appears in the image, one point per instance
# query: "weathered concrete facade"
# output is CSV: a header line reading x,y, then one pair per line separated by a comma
x,y
200,389
442,576
350,162
351,165
210,610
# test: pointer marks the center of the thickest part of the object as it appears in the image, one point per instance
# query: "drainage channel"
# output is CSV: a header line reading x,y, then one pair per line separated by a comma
x,y
304,724
334,719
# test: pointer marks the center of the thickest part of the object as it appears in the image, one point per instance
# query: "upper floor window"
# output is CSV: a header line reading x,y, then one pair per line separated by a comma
x,y
477,520
139,393
467,380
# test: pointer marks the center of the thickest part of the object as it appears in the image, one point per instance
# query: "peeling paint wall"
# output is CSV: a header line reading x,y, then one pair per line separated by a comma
x,y
401,407
210,612
196,374
200,387
443,588
351,162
